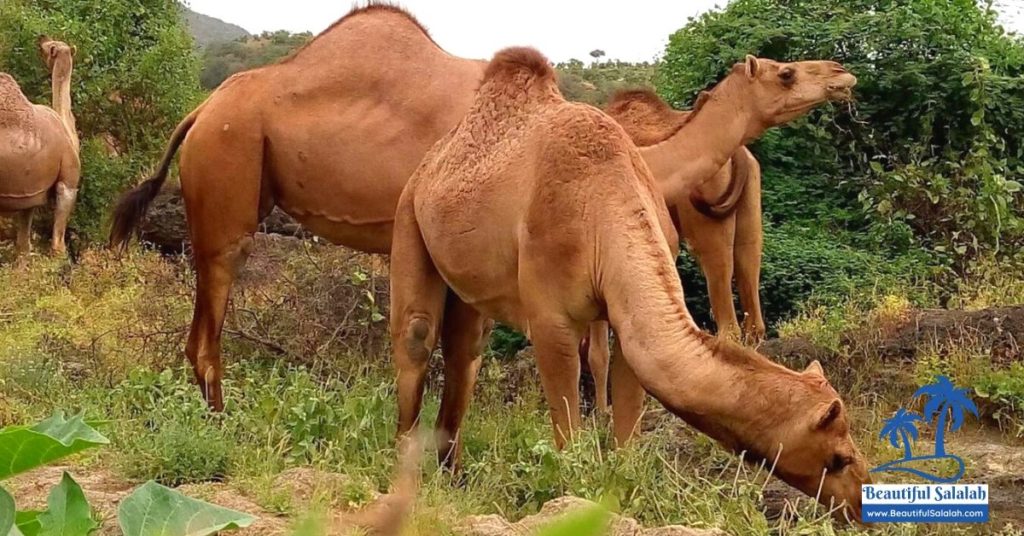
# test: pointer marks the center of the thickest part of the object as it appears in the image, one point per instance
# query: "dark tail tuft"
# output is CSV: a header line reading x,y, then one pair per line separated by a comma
x,y
130,210
133,205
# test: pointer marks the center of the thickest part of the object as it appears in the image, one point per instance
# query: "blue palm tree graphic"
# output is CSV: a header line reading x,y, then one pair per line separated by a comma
x,y
900,428
945,402
945,399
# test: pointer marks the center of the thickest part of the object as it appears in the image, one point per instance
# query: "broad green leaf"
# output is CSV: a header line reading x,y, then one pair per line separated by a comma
x,y
587,522
28,522
155,510
7,514
67,511
24,448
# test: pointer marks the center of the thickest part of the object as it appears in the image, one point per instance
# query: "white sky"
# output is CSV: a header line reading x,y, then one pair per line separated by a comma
x,y
632,30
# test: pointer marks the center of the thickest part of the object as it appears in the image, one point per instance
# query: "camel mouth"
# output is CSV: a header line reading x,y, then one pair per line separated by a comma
x,y
840,93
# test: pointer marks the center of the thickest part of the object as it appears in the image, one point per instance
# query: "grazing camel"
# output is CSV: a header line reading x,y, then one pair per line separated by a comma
x,y
564,225
39,150
699,156
329,135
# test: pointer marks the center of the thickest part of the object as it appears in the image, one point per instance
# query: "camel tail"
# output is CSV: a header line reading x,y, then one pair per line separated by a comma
x,y
132,206
725,205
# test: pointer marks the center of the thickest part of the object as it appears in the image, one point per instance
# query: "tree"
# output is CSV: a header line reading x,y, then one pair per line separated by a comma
x,y
136,76
597,53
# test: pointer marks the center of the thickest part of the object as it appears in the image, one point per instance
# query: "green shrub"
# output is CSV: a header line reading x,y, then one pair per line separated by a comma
x,y
930,152
136,75
1004,390
802,263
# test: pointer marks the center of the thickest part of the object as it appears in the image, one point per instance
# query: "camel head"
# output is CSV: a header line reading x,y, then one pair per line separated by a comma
x,y
57,55
818,452
781,92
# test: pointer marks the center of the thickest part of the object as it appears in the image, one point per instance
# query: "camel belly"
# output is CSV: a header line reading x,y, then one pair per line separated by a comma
x,y
26,176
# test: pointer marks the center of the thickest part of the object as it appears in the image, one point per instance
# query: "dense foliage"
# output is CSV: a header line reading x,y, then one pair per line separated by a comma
x,y
929,156
136,75
221,60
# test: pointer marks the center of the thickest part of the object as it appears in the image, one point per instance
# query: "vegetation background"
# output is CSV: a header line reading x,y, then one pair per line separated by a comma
x,y
911,197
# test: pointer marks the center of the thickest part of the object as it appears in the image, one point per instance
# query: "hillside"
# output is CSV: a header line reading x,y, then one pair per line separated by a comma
x,y
207,30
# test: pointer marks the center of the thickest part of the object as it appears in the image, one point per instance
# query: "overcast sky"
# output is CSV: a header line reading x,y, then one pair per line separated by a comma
x,y
633,30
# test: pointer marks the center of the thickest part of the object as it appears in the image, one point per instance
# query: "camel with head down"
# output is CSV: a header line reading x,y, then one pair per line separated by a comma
x,y
39,149
542,214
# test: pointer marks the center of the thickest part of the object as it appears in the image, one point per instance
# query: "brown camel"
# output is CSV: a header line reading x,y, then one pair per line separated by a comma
x,y
330,135
725,235
39,150
542,214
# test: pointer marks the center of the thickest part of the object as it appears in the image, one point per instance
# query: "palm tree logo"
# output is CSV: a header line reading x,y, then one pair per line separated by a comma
x,y
947,404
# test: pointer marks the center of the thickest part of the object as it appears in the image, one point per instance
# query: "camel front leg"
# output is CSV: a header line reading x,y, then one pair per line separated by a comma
x,y
23,239
711,242
627,396
417,309
66,197
556,346
748,251
463,335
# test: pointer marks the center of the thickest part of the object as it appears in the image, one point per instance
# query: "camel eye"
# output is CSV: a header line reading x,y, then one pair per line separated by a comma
x,y
838,463
787,75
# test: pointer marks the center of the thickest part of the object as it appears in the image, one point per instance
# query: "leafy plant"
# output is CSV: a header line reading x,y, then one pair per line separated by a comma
x,y
155,510
151,510
23,448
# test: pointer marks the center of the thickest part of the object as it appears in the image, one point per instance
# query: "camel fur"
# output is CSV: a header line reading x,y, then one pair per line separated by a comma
x,y
39,150
565,225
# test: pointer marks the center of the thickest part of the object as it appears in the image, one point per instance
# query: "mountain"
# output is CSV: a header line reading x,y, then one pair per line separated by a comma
x,y
207,30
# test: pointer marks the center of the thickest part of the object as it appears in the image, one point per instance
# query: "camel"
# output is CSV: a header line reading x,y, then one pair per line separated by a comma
x,y
330,135
725,235
565,225
39,150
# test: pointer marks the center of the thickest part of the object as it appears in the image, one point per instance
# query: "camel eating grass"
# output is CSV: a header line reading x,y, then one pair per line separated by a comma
x,y
542,214
700,155
39,150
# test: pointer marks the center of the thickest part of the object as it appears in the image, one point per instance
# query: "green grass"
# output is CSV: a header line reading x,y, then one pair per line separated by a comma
x,y
104,337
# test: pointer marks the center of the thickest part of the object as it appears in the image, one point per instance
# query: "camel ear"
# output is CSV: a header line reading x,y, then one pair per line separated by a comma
x,y
74,51
829,415
752,66
815,368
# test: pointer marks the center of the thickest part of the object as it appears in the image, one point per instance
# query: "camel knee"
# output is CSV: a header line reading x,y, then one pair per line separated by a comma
x,y
419,338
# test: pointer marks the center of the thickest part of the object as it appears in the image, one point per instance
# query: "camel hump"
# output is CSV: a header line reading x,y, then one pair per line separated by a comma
x,y
515,60
647,118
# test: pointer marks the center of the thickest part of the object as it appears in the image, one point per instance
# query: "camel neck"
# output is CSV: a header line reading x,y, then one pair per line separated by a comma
x,y
61,87
698,150
721,389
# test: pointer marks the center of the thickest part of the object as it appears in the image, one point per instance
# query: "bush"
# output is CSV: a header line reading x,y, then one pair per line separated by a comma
x,y
136,76
802,265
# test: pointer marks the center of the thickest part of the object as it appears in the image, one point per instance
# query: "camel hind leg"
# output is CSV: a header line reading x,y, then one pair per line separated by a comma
x,y
66,197
223,193
597,359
